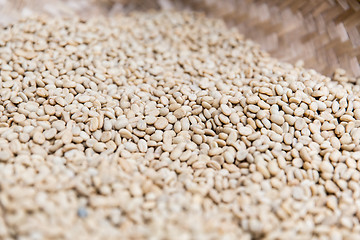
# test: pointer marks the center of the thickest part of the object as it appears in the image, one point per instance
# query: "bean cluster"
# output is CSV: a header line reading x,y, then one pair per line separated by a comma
x,y
170,125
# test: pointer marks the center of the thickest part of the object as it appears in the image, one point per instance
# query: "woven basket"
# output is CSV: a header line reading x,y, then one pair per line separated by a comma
x,y
323,33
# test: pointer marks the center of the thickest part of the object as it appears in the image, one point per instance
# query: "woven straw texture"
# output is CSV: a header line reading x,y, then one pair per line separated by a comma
x,y
323,33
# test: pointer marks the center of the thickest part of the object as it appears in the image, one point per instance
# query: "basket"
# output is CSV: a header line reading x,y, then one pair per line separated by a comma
x,y
325,34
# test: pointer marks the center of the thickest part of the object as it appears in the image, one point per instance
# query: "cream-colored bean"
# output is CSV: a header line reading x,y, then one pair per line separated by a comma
x,y
161,123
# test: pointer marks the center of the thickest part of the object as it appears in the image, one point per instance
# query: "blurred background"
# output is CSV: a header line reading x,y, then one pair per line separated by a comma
x,y
323,33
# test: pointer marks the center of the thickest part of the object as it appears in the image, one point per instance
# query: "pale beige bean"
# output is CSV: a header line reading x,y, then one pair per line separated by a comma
x,y
326,166
229,157
142,145
304,154
245,131
99,147
5,156
276,118
94,124
180,113
141,125
125,133
300,124
67,137
331,187
254,108
25,137
19,118
122,122
288,138
161,123
39,137
130,146
225,109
